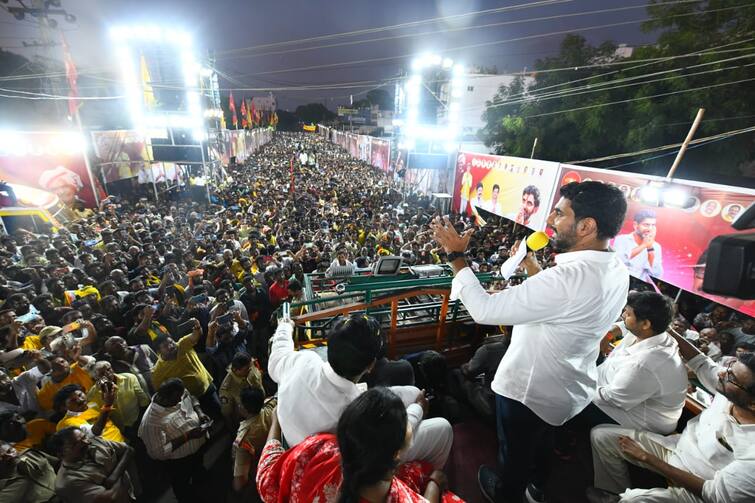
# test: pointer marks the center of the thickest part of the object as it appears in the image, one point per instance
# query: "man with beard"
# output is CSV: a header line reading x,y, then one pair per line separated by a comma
x,y
639,250
559,316
530,205
712,459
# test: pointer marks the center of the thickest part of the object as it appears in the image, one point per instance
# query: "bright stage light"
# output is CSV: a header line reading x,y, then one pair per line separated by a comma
x,y
411,130
650,195
127,37
675,197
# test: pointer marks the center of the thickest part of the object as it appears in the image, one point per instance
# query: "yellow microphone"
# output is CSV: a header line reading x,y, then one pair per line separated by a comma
x,y
537,241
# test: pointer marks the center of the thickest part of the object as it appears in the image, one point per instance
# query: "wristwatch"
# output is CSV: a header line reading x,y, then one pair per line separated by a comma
x,y
454,255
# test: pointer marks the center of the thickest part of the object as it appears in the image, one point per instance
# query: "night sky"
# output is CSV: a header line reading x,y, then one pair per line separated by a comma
x,y
225,25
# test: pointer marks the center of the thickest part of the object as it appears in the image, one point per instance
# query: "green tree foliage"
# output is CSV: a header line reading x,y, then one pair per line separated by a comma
x,y
313,112
593,110
381,98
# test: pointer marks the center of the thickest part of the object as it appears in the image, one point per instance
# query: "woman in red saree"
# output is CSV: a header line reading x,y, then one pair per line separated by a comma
x,y
359,464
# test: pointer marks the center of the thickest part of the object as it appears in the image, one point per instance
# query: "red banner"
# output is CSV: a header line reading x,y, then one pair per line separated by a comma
x,y
670,243
50,161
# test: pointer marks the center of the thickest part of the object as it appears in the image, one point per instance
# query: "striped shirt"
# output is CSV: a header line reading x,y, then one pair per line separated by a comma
x,y
338,270
161,425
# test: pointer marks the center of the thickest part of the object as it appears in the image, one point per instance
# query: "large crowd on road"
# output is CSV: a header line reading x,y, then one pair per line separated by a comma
x,y
146,331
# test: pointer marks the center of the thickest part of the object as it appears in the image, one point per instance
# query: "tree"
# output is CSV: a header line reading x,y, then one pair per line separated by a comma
x,y
594,111
287,121
380,97
313,113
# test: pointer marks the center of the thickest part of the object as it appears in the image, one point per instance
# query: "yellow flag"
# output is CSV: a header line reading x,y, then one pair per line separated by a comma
x,y
149,93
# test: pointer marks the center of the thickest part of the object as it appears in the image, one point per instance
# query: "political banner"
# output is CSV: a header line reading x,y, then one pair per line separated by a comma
x,y
380,154
427,173
512,187
120,154
669,243
353,145
50,161
363,144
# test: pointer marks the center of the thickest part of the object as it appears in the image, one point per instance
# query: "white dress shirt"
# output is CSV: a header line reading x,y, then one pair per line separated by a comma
x,y
311,396
161,425
643,383
560,316
729,472
639,265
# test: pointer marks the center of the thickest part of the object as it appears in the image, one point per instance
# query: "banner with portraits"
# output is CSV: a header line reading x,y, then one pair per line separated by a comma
x,y
512,187
353,145
51,161
120,154
364,144
380,154
670,243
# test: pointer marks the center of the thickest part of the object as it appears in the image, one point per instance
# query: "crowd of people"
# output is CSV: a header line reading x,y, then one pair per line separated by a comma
x,y
138,335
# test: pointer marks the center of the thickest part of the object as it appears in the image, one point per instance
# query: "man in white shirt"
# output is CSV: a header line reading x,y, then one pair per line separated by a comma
x,y
494,206
560,314
643,382
478,202
341,266
174,430
19,393
639,250
713,460
312,393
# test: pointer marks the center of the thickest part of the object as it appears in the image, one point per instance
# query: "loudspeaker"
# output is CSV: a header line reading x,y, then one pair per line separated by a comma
x,y
729,268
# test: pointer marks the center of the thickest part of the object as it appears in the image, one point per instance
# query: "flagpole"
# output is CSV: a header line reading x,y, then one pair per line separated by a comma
x,y
87,162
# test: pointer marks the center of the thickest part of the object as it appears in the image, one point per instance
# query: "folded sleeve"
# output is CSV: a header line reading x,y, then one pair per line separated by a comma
x,y
706,371
735,483
530,302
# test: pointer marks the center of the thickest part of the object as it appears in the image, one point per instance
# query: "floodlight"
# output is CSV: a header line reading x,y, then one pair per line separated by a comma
x,y
125,36
650,195
411,130
675,197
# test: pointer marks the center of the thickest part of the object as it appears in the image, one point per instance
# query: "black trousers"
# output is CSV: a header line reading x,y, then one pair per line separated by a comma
x,y
186,476
525,443
210,402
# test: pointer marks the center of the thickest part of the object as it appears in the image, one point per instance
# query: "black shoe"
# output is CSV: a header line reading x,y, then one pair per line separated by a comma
x,y
595,495
489,481
533,494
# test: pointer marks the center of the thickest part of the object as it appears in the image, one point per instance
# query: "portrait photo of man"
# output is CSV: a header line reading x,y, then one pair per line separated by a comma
x,y
639,250
530,205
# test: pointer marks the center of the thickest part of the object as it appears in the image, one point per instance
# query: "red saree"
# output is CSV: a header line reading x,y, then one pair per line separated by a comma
x,y
311,473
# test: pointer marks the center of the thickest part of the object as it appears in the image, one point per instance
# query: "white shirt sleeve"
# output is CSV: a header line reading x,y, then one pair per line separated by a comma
x,y
628,387
282,354
734,483
706,370
530,302
623,247
657,267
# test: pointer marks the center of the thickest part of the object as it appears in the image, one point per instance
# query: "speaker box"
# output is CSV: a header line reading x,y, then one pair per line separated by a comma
x,y
729,269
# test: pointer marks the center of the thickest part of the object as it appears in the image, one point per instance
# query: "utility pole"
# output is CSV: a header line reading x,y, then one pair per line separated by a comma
x,y
42,10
